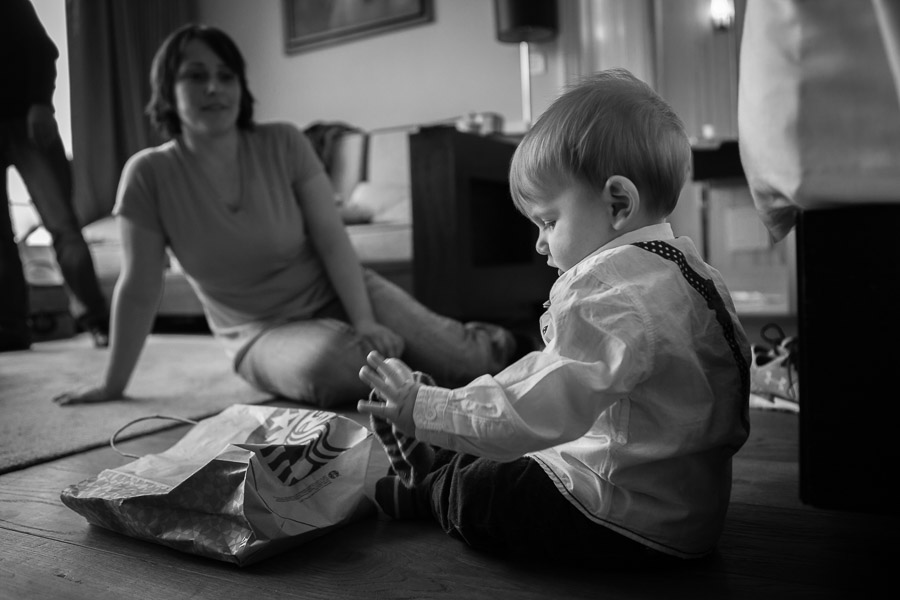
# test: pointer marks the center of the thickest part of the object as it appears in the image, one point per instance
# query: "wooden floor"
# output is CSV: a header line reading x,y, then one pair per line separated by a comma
x,y
773,547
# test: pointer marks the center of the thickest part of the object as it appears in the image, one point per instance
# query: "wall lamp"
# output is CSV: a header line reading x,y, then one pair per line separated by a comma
x,y
524,22
721,13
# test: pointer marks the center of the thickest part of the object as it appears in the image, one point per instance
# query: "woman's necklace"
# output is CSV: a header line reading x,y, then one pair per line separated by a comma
x,y
224,176
233,180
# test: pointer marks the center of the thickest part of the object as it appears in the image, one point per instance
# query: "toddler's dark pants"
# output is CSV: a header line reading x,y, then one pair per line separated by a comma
x,y
516,508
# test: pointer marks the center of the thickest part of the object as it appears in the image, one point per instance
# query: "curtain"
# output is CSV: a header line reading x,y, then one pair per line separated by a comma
x,y
111,47
887,12
606,34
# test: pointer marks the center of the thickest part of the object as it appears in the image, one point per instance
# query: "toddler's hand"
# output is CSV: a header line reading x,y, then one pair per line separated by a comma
x,y
395,383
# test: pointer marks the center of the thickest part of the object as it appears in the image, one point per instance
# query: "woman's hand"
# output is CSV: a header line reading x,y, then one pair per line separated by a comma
x,y
396,385
89,396
379,338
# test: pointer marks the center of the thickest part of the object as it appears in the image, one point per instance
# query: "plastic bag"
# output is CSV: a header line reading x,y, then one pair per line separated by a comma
x,y
245,484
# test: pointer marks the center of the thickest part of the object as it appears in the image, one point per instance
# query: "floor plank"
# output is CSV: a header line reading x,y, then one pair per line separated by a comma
x,y
773,546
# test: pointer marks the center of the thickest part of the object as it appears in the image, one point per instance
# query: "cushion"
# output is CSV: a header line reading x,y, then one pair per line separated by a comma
x,y
386,202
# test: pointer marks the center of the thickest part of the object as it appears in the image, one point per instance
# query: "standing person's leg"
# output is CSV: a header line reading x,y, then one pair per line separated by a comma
x,y
453,353
48,177
14,332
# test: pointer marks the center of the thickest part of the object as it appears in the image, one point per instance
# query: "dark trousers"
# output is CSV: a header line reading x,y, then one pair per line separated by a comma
x,y
48,177
515,508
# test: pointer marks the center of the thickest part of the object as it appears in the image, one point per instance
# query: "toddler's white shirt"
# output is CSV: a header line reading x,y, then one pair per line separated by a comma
x,y
635,407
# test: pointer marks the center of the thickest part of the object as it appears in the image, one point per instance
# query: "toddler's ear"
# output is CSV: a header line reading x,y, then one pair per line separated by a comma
x,y
624,201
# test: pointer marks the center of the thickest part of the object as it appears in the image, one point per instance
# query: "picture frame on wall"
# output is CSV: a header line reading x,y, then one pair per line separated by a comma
x,y
312,24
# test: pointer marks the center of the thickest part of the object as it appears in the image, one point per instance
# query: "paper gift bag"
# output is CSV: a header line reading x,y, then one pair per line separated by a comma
x,y
240,486
818,111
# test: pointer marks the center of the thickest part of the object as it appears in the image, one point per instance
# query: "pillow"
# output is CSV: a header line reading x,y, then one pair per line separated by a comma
x,y
386,202
352,214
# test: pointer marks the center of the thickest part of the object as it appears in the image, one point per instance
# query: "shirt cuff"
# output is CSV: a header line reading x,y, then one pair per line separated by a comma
x,y
428,414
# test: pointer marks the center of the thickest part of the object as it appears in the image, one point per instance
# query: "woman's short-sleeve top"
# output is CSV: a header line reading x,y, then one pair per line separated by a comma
x,y
252,265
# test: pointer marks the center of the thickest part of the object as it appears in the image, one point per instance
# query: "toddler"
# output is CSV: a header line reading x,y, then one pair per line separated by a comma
x,y
615,440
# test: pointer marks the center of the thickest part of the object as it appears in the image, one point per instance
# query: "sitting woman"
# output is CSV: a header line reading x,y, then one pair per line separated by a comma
x,y
250,214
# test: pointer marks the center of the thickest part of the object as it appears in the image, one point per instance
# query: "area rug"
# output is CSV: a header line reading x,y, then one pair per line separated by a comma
x,y
185,376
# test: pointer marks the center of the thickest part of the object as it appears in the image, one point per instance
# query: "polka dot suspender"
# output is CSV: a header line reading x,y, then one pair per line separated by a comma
x,y
708,290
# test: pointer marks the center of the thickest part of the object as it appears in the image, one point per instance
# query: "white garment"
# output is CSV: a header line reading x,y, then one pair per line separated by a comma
x,y
818,120
634,408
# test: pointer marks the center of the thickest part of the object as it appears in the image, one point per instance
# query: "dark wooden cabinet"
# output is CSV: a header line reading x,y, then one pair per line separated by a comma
x,y
474,254
848,270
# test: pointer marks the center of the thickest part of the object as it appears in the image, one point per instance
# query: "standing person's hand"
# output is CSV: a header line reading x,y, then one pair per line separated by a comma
x,y
380,338
395,383
42,128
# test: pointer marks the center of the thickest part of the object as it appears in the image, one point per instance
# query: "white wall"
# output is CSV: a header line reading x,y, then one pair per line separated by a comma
x,y
437,71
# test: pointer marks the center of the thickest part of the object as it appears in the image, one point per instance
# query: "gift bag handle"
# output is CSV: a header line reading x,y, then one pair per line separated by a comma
x,y
112,439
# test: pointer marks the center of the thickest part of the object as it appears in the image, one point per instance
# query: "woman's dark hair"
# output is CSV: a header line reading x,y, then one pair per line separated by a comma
x,y
161,109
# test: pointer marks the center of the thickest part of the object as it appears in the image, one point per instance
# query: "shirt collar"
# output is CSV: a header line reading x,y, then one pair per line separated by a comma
x,y
661,231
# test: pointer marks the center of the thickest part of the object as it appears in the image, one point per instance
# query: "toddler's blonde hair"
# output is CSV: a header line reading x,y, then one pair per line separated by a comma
x,y
610,123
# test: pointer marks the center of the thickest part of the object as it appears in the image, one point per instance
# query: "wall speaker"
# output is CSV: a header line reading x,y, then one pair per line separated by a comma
x,y
531,21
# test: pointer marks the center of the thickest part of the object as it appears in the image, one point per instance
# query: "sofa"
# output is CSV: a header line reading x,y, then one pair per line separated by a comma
x,y
469,256
377,211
